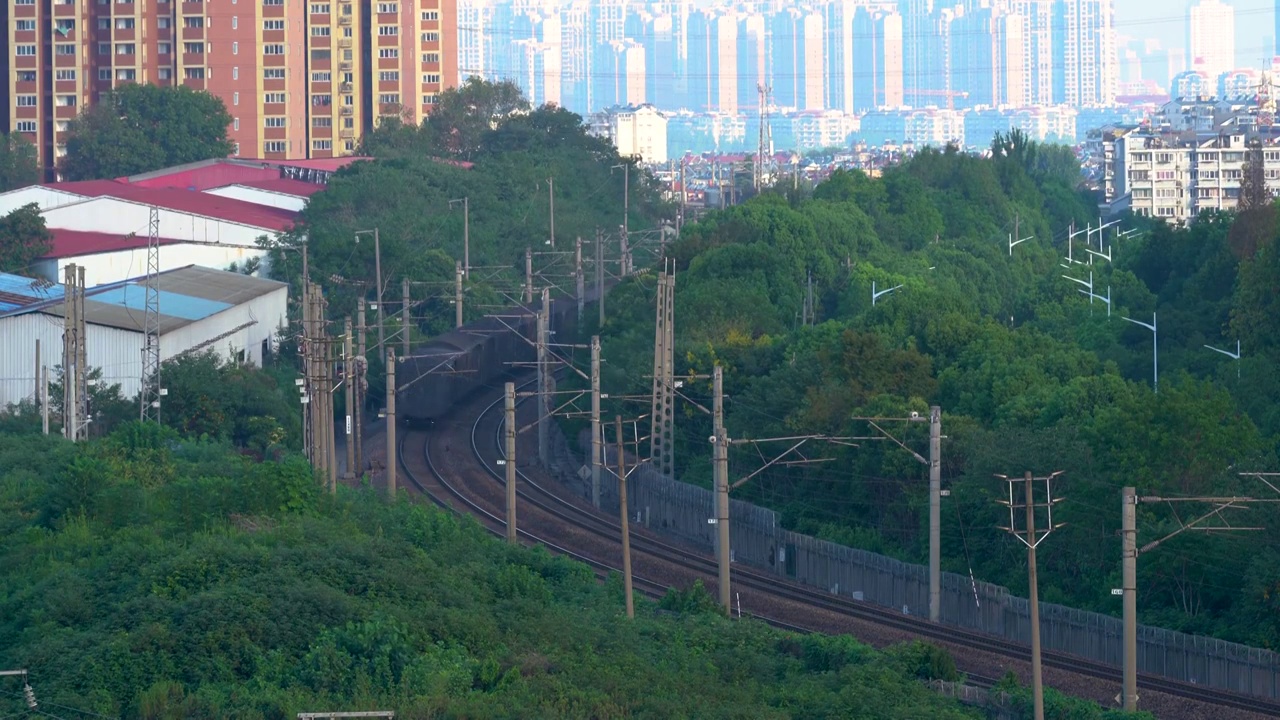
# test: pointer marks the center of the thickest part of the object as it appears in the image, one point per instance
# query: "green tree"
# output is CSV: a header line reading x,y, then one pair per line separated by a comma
x,y
19,162
23,238
457,125
139,128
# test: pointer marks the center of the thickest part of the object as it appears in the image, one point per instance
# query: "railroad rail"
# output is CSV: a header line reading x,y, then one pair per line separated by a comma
x,y
474,471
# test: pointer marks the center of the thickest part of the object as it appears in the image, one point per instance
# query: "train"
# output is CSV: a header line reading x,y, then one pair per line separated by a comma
x,y
439,374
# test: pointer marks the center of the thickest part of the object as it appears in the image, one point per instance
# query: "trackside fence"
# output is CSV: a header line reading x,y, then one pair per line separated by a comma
x,y
681,511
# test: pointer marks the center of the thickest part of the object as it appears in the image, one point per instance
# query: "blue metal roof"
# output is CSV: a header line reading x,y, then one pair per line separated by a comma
x,y
17,291
174,305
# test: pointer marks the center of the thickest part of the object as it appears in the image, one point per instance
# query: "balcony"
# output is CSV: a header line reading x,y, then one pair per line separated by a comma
x,y
347,110
344,42
192,33
345,65
344,20
344,87
347,133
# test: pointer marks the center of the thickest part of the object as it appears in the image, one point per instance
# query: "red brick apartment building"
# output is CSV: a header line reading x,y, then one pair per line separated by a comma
x,y
302,79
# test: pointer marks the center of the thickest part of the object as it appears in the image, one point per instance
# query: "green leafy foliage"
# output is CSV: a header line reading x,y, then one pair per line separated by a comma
x,y
23,239
19,162
150,576
141,127
1030,374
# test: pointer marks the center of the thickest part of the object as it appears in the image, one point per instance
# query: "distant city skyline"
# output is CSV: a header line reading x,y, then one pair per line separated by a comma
x,y
1167,22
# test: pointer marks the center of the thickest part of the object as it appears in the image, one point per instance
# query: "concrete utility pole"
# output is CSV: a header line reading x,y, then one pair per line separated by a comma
x,y
622,514
69,353
720,459
36,394
391,424
1032,538
406,317
360,387
935,513
579,280
329,350
600,275
82,359
528,275
466,235
624,263
596,430
662,412
457,294
684,198
44,398
1129,580
377,269
551,197
349,396
509,431
544,381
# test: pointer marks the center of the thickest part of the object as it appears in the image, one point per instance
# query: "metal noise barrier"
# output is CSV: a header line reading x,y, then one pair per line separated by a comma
x,y
681,510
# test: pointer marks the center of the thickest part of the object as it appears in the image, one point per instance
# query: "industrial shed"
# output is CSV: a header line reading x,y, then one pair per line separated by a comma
x,y
236,315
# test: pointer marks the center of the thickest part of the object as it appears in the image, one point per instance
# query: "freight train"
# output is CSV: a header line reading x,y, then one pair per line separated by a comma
x,y
439,374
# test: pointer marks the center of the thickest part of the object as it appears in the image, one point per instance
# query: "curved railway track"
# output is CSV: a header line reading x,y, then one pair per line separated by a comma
x,y
473,484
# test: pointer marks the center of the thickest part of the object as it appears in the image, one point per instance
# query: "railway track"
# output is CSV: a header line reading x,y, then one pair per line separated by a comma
x,y
473,484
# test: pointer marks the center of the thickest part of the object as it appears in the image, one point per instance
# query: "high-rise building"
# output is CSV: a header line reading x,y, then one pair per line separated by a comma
x,y
796,59
753,53
300,80
1084,38
840,49
1211,37
713,60
878,58
1038,55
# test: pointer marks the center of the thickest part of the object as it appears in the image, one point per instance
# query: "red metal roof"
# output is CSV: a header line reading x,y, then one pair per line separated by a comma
x,y
285,186
196,203
322,164
70,243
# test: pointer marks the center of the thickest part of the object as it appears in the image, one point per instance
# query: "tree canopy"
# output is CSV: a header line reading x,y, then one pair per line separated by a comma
x,y
23,239
1030,373
19,162
137,128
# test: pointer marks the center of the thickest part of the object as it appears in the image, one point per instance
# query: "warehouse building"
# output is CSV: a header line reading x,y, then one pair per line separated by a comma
x,y
237,316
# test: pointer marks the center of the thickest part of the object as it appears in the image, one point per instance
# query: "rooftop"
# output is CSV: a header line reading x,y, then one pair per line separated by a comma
x,y
71,243
196,203
284,186
17,291
186,295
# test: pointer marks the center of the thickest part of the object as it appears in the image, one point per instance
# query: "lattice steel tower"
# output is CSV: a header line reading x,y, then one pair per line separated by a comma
x,y
662,434
149,397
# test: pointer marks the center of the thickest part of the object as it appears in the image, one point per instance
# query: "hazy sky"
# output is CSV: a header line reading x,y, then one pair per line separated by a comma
x,y
1168,22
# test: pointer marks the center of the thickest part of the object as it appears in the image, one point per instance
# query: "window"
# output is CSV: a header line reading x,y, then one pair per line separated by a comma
x,y
273,122
389,98
1164,158
346,32
65,75
124,48
275,146
26,101
273,97
431,78
319,8
62,126
388,52
272,24
27,75
349,145
389,30
273,74
193,48
21,25
322,144
235,73
235,22
389,76
1166,192
163,23
321,77
65,49
25,50
319,31
164,48
24,2
194,73
64,27
65,101
235,124
273,49
235,98
28,126
429,99
431,57
430,15
127,75
430,37
165,73
103,23
321,100
1164,175
104,73
235,48
387,8
321,122
348,123
272,2
320,54
125,23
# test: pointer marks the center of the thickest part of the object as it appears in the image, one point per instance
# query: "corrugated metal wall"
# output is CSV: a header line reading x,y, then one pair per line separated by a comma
x,y
681,510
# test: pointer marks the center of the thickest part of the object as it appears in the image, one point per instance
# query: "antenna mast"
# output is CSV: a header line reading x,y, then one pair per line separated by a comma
x,y
764,153
149,397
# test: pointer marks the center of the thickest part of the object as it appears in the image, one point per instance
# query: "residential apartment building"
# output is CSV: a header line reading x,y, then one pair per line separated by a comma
x,y
300,79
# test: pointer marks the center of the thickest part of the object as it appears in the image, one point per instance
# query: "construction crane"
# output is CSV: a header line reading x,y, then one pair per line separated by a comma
x,y
950,95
